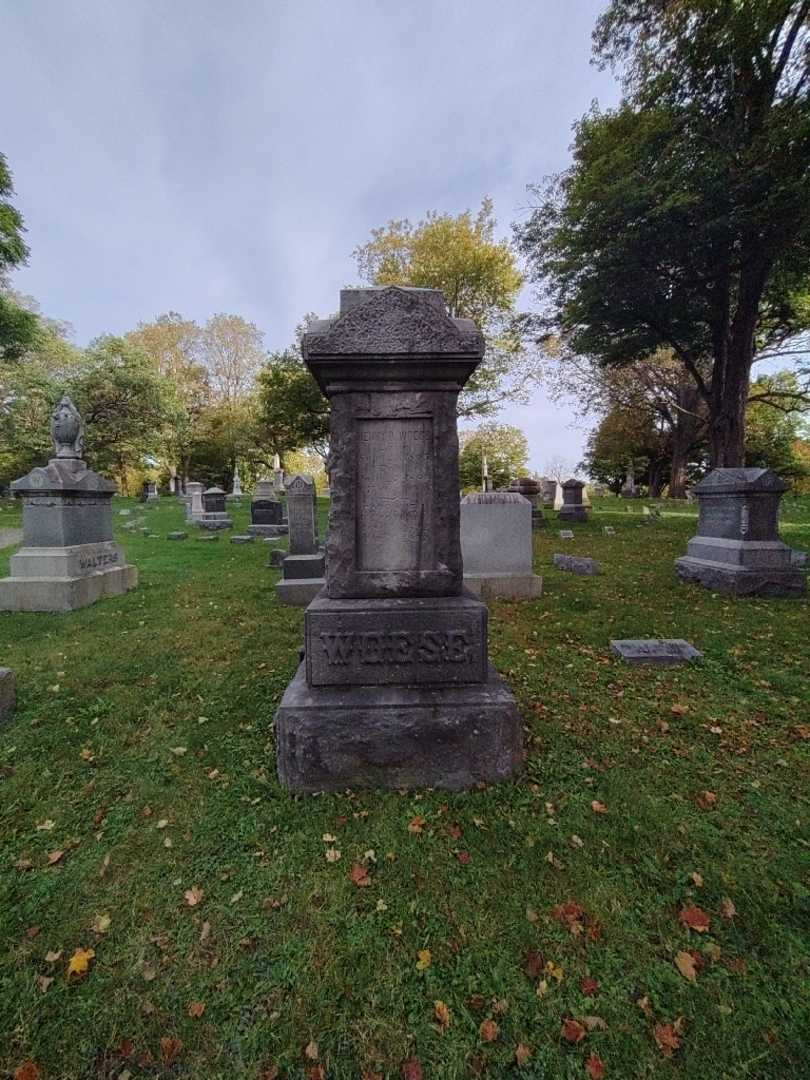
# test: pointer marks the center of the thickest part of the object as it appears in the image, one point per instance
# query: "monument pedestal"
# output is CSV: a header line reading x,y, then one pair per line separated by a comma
x,y
63,579
268,530
737,550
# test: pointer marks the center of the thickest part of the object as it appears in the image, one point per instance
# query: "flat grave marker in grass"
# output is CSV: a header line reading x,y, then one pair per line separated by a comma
x,y
655,651
577,564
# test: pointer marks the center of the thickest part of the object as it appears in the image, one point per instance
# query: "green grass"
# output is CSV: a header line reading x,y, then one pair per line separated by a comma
x,y
283,948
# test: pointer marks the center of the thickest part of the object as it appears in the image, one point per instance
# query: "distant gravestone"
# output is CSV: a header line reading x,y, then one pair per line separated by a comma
x,y
277,558
149,493
236,489
69,558
573,509
304,566
194,506
737,549
654,651
629,489
177,536
608,530
214,515
241,538
496,546
532,491
208,538
577,564
395,688
566,534
8,693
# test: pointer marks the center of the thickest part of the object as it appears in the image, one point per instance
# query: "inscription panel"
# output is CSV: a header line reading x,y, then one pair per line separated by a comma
x,y
395,494
372,648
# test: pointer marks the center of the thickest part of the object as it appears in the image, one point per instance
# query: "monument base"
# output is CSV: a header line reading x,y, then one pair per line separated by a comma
x,y
214,521
735,580
298,592
576,513
65,594
268,530
453,737
304,566
508,586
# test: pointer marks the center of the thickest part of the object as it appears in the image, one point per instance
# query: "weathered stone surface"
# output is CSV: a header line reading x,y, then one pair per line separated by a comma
x,y
277,558
266,511
450,737
655,651
496,545
241,538
566,534
608,530
304,566
737,549
577,564
299,592
209,538
798,558
65,594
8,693
177,536
573,508
194,506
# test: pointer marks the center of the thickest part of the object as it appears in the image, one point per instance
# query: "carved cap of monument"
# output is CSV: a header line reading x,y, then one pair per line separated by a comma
x,y
67,430
572,483
740,481
405,327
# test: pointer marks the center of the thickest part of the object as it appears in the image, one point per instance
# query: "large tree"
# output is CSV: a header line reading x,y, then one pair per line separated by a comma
x,y
292,412
506,451
684,220
18,325
480,279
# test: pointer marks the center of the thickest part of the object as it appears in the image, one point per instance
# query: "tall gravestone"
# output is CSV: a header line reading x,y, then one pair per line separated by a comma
x,y
69,558
194,506
532,491
266,512
303,568
737,549
629,489
236,489
395,688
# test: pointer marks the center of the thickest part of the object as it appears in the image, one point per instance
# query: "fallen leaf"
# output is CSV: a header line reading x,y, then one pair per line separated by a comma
x,y
679,710
594,1023
162,823
32,932
80,961
572,1031
666,1038
571,915
29,1070
533,964
101,924
576,841
237,896
589,986
149,973
332,854
522,1054
416,825
45,826
316,1072
464,857
555,971
43,982
442,1014
193,896
705,799
685,963
697,879
196,1009
178,751
170,1049
54,857
359,875
424,960
595,1067
411,1069
489,1031
23,864
555,862
727,908
311,1050
598,807
645,1006
51,957
328,838
695,918
205,930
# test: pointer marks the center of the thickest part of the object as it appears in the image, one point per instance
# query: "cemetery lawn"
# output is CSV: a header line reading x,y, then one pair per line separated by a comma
x,y
636,904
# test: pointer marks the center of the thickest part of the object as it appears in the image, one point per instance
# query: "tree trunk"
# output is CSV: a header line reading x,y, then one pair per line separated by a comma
x,y
656,479
685,432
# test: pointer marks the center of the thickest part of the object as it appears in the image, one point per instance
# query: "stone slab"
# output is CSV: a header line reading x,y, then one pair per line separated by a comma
x,y
608,530
303,566
406,641
332,738
798,557
741,581
496,534
177,536
573,513
78,560
655,651
65,594
577,564
505,586
208,539
215,524
239,538
271,531
566,534
277,558
300,592
8,693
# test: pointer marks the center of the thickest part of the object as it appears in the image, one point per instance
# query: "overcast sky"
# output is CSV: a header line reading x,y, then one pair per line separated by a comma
x,y
202,156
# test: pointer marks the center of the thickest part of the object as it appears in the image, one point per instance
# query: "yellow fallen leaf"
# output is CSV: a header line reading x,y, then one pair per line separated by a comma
x,y
424,960
80,961
101,924
442,1014
555,971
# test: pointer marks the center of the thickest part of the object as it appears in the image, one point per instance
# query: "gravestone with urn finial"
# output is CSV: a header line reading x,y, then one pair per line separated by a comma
x,y
395,688
68,558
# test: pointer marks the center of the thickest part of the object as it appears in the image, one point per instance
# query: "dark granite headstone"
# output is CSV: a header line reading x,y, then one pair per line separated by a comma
x,y
573,508
737,549
265,512
396,688
303,575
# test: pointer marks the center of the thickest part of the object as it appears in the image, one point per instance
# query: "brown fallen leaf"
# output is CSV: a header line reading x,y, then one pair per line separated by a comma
x,y
416,825
666,1038
533,964
359,875
589,986
571,915
442,1014
52,956
43,982
464,857
170,1049
411,1069
595,1067
193,896
311,1051
697,879
54,857
705,799
695,918
196,1009
489,1030
727,908
685,963
598,807
522,1054
29,1070
594,1023
572,1031
645,1006
423,959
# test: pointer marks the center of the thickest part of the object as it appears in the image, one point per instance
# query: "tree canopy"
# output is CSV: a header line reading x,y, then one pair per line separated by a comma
x,y
18,325
505,448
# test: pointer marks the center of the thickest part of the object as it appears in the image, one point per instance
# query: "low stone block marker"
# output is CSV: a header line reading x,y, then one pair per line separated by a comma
x,y
608,530
8,692
566,534
177,536
277,558
496,545
207,539
577,565
655,650
241,539
69,558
